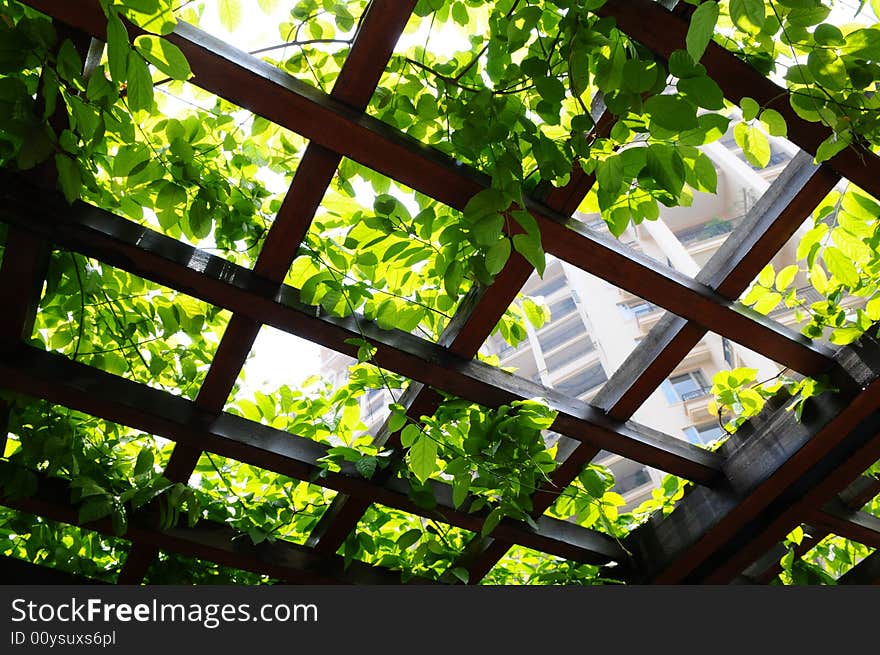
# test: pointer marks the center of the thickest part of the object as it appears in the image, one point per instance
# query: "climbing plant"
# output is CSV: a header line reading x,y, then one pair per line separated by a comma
x,y
517,96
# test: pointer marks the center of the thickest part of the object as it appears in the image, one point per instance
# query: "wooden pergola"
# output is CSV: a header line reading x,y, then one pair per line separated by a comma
x,y
773,474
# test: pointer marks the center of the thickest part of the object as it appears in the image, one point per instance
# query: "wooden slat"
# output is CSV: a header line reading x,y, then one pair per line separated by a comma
x,y
156,257
776,474
472,324
865,572
265,90
61,381
209,540
380,28
768,226
853,497
836,518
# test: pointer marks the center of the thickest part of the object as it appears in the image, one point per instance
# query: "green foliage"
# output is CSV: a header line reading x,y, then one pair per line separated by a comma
x,y
839,258
516,102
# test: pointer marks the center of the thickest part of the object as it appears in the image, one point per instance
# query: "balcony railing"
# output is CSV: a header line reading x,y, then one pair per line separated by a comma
x,y
708,230
696,393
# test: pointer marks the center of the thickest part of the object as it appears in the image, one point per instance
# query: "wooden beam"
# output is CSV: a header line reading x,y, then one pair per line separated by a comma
x,y
61,381
161,259
267,91
853,497
767,227
776,474
865,572
468,330
836,518
380,28
208,540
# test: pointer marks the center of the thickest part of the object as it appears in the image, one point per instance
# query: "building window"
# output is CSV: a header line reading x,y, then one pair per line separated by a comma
x,y
687,386
581,383
631,480
701,435
637,308
727,348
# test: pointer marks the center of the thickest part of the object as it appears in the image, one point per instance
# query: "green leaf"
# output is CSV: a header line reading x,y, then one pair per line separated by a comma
x,y
672,113
68,176
767,276
774,122
828,69
144,463
845,335
164,55
833,144
703,91
707,176
95,508
487,229
666,167
230,13
639,76
170,196
786,276
701,28
754,144
840,266
492,520
461,573
423,457
767,303
750,108
529,246
118,48
408,538
748,15
140,84
461,485
396,421
366,466
497,256
534,313
409,434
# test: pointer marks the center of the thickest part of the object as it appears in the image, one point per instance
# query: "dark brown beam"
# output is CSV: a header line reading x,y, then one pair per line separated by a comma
x,y
769,224
776,475
161,259
58,380
468,330
381,26
663,32
836,518
853,497
267,91
767,227
22,274
208,540
865,572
